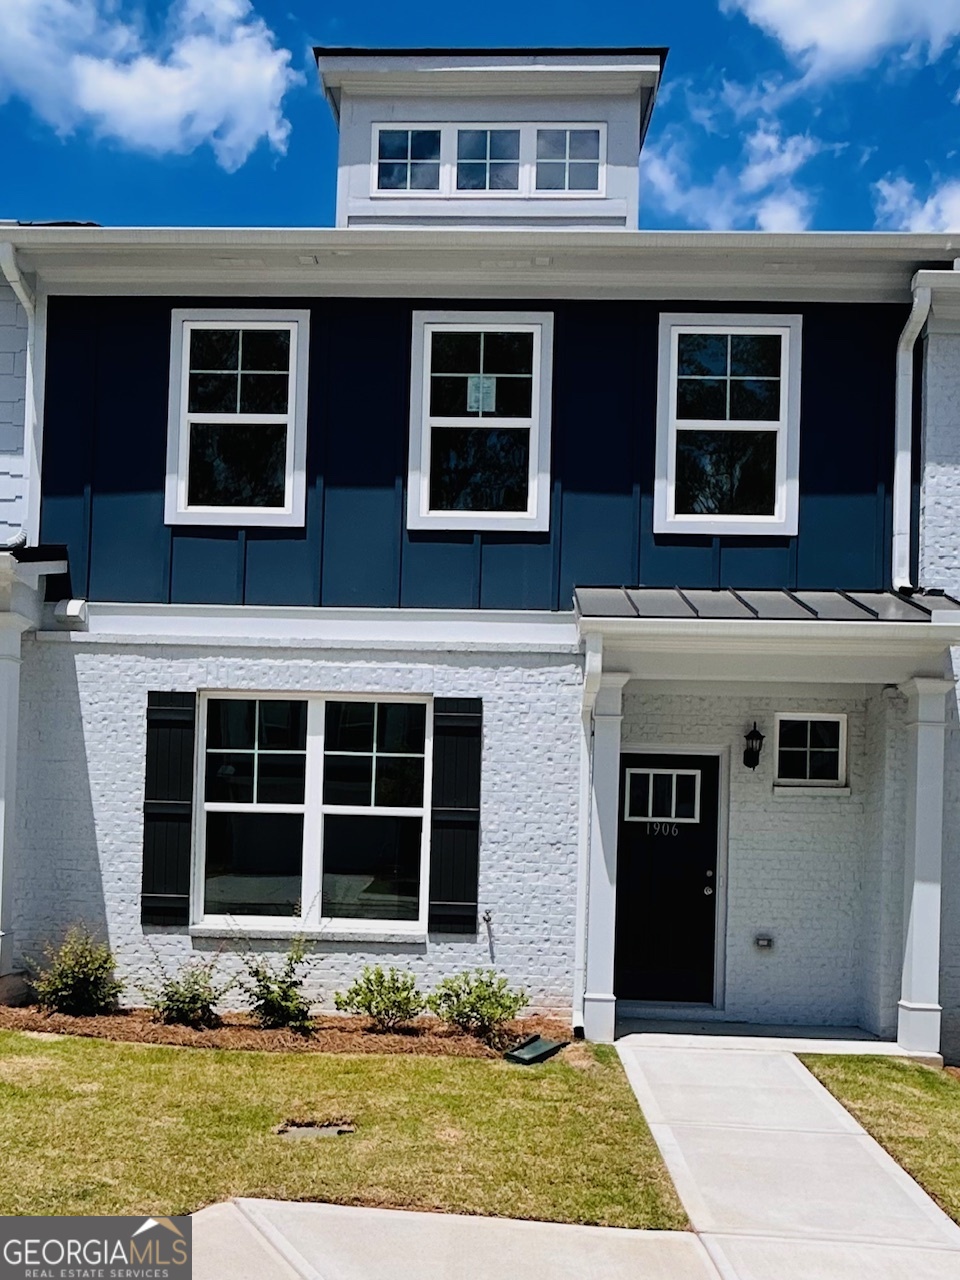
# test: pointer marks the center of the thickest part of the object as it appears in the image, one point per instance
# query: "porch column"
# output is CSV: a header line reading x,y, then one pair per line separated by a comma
x,y
9,723
918,1023
599,1004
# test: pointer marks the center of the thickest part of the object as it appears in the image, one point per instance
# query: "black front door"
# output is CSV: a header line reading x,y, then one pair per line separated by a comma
x,y
667,877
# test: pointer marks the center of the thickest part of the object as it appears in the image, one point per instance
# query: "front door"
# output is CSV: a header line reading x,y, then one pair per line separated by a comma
x,y
667,878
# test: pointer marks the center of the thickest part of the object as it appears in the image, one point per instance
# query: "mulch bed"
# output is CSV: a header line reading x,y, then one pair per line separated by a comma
x,y
332,1034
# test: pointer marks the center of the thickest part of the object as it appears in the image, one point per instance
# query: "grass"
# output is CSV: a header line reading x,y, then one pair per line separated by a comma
x,y
96,1127
912,1110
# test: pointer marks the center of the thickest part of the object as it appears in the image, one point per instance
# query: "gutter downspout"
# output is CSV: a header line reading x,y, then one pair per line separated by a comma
x,y
592,670
903,441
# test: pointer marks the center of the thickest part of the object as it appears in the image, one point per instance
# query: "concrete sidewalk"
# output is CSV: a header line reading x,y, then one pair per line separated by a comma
x,y
275,1240
777,1178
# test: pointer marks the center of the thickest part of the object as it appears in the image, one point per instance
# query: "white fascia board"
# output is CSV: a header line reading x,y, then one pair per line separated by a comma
x,y
393,630
784,636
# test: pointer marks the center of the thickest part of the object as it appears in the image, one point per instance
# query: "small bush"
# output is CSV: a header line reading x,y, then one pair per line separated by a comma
x,y
79,978
479,1002
387,998
190,997
277,995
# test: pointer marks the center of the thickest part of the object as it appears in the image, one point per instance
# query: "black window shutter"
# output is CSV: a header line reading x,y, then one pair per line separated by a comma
x,y
455,835
168,808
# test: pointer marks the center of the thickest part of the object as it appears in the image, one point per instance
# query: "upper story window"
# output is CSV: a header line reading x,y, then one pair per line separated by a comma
x,y
480,421
408,160
236,440
568,159
489,159
728,439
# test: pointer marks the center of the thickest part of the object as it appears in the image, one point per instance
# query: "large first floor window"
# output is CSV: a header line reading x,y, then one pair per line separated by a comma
x,y
314,809
728,444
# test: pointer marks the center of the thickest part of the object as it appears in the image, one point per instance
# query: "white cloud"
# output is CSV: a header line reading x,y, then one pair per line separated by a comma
x,y
829,37
758,192
215,76
899,208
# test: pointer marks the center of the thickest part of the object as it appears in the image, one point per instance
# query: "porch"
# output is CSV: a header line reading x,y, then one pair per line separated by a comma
x,y
784,889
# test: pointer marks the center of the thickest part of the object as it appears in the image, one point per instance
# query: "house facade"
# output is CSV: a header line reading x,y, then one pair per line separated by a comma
x,y
483,581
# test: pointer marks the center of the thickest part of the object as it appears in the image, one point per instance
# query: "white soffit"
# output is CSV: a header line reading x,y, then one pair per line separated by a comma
x,y
457,263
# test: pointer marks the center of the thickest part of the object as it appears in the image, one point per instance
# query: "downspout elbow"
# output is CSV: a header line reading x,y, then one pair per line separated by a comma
x,y
903,442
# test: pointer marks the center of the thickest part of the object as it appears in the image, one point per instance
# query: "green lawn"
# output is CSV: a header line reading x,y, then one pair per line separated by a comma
x,y
93,1127
912,1110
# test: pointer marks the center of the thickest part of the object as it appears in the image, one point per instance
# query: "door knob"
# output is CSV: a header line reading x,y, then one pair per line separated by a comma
x,y
708,891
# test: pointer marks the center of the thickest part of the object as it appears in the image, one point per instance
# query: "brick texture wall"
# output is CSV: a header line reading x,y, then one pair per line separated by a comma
x,y
810,870
83,733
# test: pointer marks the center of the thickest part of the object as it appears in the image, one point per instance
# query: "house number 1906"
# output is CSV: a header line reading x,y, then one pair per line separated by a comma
x,y
661,828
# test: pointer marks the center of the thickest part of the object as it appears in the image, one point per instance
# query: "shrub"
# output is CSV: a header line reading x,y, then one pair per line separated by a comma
x,y
190,996
277,994
387,998
478,1002
79,978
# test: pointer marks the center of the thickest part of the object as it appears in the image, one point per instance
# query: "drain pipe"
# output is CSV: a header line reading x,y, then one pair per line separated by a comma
x,y
27,299
903,442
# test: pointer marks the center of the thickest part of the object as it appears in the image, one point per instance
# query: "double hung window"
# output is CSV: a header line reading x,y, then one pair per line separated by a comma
x,y
314,809
237,418
728,425
480,421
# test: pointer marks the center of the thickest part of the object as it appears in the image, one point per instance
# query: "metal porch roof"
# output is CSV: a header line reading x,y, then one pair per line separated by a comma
x,y
764,606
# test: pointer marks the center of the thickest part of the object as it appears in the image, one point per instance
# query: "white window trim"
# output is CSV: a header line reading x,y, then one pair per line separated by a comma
x,y
675,773
310,921
449,130
176,509
816,785
536,518
785,520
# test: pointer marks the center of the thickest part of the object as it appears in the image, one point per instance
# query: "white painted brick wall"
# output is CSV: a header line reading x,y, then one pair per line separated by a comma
x,y
940,567
797,865
83,734
13,368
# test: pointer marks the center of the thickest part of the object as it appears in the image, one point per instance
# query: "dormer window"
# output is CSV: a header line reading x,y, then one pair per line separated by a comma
x,y
505,159
488,159
568,159
408,160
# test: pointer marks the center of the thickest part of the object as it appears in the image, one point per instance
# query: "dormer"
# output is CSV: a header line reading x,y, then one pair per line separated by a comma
x,y
506,138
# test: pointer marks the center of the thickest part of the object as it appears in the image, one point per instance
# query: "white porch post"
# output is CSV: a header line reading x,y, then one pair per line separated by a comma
x,y
918,1024
599,1004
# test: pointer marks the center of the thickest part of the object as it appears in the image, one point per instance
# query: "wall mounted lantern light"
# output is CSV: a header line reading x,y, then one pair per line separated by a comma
x,y
754,741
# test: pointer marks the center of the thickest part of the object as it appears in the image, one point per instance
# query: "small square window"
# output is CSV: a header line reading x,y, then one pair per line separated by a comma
x,y
237,418
811,750
408,160
728,445
488,159
480,421
568,159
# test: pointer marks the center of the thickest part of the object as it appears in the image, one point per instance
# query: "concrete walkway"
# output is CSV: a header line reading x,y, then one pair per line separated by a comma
x,y
777,1178
274,1240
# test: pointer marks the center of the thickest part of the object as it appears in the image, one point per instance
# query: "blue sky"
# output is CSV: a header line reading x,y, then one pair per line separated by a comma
x,y
774,114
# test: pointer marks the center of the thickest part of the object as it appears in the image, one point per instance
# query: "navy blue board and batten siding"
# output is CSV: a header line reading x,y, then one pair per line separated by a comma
x,y
105,452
